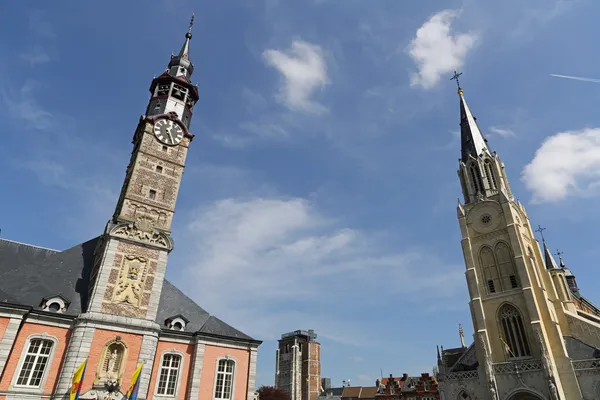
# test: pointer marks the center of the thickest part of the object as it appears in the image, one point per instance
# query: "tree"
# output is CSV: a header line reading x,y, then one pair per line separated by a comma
x,y
272,393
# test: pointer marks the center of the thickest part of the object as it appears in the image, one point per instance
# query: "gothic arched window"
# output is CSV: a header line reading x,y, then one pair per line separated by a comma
x,y
490,270
476,178
489,175
513,331
506,265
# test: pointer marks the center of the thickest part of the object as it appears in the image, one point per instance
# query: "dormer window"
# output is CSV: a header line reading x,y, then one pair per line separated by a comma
x,y
179,92
56,304
163,89
176,323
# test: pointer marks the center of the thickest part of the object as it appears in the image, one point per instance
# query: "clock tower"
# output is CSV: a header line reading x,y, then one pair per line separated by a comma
x,y
131,258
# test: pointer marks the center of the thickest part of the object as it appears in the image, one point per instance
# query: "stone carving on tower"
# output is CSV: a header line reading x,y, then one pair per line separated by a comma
x,y
131,260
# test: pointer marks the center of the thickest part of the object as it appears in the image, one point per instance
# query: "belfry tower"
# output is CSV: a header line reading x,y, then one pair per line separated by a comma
x,y
130,259
517,313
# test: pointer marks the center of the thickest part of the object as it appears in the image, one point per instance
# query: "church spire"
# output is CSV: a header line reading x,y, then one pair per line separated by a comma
x,y
473,143
481,172
180,64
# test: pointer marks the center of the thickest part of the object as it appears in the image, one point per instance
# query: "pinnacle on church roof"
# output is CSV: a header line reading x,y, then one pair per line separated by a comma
x,y
183,58
549,259
473,143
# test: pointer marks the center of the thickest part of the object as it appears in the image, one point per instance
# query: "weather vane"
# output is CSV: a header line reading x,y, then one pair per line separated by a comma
x,y
455,78
191,23
541,231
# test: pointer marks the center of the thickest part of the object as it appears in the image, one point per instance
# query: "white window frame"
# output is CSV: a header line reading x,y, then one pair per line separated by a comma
x,y
233,376
179,373
24,352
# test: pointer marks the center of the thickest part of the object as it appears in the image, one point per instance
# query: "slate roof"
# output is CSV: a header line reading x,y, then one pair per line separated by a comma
x,y
30,273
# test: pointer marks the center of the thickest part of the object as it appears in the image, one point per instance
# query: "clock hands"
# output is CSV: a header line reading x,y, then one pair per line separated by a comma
x,y
170,136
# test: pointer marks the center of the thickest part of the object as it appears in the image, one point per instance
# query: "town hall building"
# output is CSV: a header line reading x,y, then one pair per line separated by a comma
x,y
107,300
536,336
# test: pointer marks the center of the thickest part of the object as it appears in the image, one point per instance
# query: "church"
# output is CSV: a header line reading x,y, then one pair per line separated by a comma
x,y
536,336
106,301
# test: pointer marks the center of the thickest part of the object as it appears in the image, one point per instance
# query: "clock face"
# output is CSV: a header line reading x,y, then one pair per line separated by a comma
x,y
168,132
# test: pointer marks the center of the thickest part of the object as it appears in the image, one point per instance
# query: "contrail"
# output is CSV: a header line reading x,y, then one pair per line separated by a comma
x,y
577,78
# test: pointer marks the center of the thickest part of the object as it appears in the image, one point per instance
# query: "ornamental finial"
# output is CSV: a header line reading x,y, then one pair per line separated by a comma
x,y
189,32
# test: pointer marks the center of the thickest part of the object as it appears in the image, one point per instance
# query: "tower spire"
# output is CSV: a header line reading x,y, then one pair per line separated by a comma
x,y
473,143
180,64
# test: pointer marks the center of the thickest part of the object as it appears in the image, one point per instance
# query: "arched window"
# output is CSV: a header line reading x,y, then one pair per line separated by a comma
x,y
489,175
476,178
506,265
35,362
224,379
168,379
490,270
513,331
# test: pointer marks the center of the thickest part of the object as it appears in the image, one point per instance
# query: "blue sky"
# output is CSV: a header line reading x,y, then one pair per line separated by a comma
x,y
321,188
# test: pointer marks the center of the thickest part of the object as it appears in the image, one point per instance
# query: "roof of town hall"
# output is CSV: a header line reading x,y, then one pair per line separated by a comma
x,y
28,274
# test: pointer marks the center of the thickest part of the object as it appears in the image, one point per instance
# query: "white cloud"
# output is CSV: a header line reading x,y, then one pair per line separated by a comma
x,y
437,51
304,71
251,258
37,55
566,164
23,105
499,131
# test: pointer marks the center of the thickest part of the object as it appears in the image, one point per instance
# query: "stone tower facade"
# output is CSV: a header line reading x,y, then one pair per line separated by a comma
x,y
522,314
298,365
106,301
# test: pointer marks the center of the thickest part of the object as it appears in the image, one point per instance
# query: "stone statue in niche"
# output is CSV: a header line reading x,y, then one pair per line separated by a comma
x,y
553,390
129,285
493,394
111,367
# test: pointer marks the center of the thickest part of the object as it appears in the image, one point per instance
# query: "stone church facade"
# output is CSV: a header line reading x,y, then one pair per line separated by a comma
x,y
107,300
536,336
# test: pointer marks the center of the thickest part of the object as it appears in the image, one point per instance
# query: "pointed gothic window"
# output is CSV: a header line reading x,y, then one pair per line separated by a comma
x,y
506,265
490,270
476,178
511,326
489,175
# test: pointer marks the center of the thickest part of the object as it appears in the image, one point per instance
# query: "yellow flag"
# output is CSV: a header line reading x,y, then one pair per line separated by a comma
x,y
132,393
77,381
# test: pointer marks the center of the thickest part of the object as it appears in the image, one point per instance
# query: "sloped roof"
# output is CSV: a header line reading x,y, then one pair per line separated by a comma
x,y
351,391
368,392
451,356
29,273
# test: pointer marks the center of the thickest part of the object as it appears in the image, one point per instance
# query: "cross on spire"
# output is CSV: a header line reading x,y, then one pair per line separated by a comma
x,y
455,78
559,254
541,231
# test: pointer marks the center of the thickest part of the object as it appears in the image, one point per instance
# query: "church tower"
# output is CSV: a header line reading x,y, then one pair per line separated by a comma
x,y
131,260
516,310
